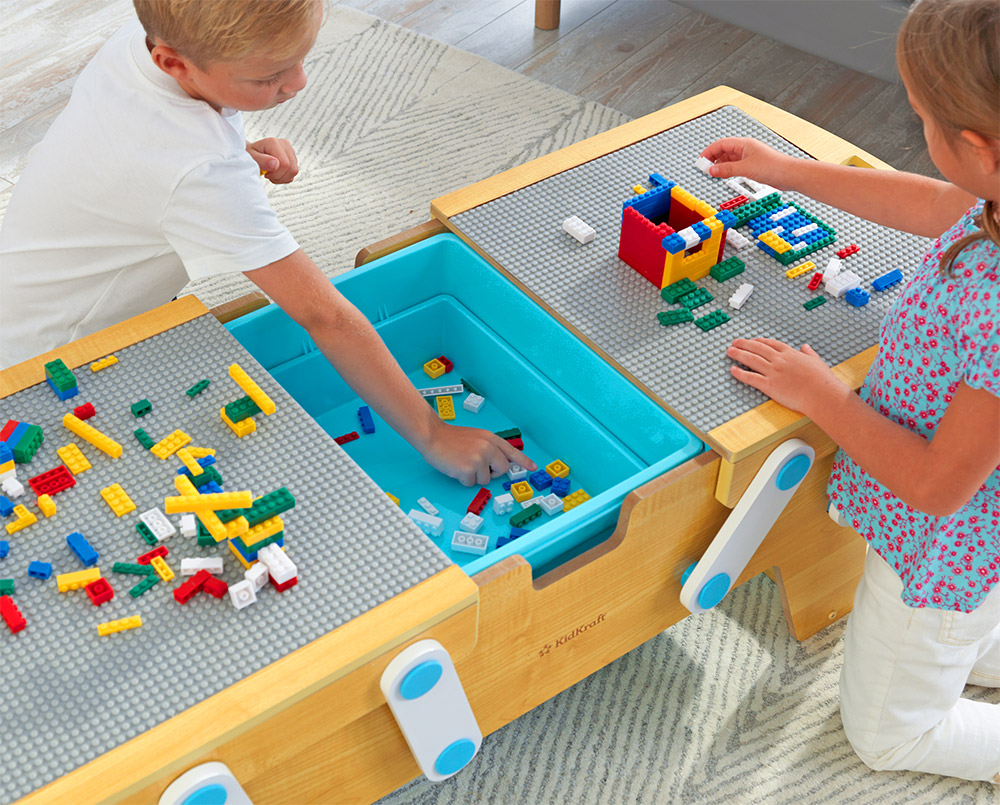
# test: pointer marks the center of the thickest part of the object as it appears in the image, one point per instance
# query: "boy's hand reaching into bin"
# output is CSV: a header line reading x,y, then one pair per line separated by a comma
x,y
472,456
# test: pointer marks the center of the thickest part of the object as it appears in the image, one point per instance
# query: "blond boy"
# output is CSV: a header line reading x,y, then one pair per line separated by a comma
x,y
145,182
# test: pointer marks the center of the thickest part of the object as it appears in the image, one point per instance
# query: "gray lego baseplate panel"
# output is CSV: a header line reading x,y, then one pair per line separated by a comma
x,y
69,694
615,308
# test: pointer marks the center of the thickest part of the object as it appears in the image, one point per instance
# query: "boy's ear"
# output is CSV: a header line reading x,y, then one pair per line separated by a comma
x,y
986,150
170,61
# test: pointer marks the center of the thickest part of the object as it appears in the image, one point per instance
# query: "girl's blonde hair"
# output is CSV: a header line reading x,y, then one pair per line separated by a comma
x,y
949,53
208,31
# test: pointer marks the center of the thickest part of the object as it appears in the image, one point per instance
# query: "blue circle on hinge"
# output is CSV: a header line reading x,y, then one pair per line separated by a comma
x,y
793,472
420,679
714,591
688,572
214,794
454,757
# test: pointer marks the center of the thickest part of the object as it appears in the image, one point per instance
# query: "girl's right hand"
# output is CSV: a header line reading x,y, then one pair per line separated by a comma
x,y
743,156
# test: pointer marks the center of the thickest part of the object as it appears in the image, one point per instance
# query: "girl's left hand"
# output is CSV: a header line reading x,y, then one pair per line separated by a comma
x,y
797,379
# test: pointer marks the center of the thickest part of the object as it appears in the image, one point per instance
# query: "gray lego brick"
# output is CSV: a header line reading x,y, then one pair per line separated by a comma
x,y
70,695
615,308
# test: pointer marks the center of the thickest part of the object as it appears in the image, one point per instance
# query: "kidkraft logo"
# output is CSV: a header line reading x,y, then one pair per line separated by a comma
x,y
579,630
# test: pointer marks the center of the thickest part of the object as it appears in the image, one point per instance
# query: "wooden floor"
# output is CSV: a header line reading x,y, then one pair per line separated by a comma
x,y
635,56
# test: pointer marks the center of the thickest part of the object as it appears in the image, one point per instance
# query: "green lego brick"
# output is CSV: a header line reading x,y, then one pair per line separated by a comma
x,y
815,302
510,433
204,538
210,474
697,298
141,408
143,438
270,505
712,320
146,534
241,409
6,586
28,445
248,549
469,387
668,317
198,388
133,569
526,515
676,290
751,210
60,375
145,585
727,269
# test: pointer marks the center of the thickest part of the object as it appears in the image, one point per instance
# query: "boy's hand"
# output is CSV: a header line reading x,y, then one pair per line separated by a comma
x,y
743,156
276,158
472,456
797,379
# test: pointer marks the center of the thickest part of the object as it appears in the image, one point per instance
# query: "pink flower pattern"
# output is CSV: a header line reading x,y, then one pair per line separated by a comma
x,y
940,331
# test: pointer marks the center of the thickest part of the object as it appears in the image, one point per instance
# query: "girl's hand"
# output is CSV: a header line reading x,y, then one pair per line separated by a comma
x,y
797,379
276,159
743,156
472,456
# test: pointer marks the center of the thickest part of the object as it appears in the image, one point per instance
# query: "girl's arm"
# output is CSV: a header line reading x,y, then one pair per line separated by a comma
x,y
936,477
905,201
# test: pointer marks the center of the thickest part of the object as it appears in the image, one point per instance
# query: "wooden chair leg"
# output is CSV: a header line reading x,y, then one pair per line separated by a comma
x,y
546,14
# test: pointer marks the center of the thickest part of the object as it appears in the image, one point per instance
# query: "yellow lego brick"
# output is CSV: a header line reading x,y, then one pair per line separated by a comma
x,y
693,203
238,527
92,436
521,490
211,502
558,469
169,445
184,485
120,625
6,467
77,580
574,499
24,519
239,556
103,363
118,499
242,428
638,189
200,452
46,505
268,528
434,368
252,390
189,461
799,270
774,241
162,568
445,406
393,498
73,457
213,525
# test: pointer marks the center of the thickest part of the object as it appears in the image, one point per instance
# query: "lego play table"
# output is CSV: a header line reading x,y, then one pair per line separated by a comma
x,y
312,725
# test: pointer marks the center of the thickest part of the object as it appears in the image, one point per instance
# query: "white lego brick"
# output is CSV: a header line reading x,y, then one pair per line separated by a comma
x,y
551,504
777,216
242,594
842,283
691,238
735,241
473,403
192,565
798,247
439,391
516,472
740,296
158,523
802,230
12,487
11,473
464,542
833,268
578,229
430,525
257,575
427,506
503,504
531,501
704,165
777,230
758,189
471,522
189,525
279,566
736,184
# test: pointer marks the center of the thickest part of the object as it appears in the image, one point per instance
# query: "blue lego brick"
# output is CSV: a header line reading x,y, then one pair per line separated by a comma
x,y
858,297
879,284
203,462
674,244
726,218
62,395
40,570
84,550
6,506
506,486
657,180
4,548
6,453
701,230
17,434
365,417
251,556
560,486
514,534
540,479
210,488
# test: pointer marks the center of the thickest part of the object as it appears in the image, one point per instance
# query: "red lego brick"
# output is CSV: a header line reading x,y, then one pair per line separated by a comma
x,y
347,437
149,556
53,481
640,244
284,586
815,281
448,365
189,589
517,442
739,201
479,501
99,592
847,251
215,587
8,429
85,411
11,614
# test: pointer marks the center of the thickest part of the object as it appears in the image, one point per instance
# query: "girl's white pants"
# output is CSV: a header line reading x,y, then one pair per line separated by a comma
x,y
904,673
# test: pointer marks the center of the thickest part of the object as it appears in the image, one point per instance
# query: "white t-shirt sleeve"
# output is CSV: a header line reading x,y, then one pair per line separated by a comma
x,y
218,220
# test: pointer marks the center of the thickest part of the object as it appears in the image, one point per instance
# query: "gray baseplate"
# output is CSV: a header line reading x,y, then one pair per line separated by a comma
x,y
615,308
70,695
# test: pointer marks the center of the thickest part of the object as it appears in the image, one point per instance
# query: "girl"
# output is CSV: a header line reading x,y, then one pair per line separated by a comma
x,y
917,472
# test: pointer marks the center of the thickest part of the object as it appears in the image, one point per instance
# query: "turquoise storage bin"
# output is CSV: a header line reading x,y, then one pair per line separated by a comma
x,y
438,297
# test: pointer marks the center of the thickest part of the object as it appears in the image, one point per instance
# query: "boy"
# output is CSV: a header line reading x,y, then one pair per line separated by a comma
x,y
145,181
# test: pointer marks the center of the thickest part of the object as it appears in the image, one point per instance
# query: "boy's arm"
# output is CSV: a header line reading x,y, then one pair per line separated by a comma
x,y
351,344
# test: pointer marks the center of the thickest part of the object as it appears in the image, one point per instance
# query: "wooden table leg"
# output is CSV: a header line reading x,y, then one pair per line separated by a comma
x,y
547,14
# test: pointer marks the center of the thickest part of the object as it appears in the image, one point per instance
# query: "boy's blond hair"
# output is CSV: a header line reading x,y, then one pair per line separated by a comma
x,y
948,52
209,31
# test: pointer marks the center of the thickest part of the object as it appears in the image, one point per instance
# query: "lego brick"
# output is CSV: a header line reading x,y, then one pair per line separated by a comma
x,y
144,586
198,388
740,296
83,550
149,556
52,481
4,549
857,297
190,588
99,591
78,580
676,290
434,368
887,280
169,445
815,302
242,428
365,418
46,505
504,539
117,499
509,433
445,406
210,564
479,501
727,269
473,403
24,519
286,585
540,479
712,320
671,317
132,569
430,525
697,298
240,409
516,472
73,458
465,542
216,588
6,586
158,524
347,437
159,564
120,625
268,530
59,375
471,522
144,438
28,444
267,506
40,570
6,506
503,504
92,436
279,566
580,231
521,491
146,533
189,526
252,390
847,251
207,502
103,363
11,487
257,575
815,281
840,284
427,506
560,486
141,408
574,499
526,515
85,411
11,614
437,391
551,504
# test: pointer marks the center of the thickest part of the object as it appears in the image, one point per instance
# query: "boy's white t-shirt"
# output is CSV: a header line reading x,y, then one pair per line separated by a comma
x,y
136,189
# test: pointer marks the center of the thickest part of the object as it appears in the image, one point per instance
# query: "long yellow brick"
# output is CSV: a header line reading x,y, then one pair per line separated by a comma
x,y
251,389
120,625
169,445
74,581
92,435
211,502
